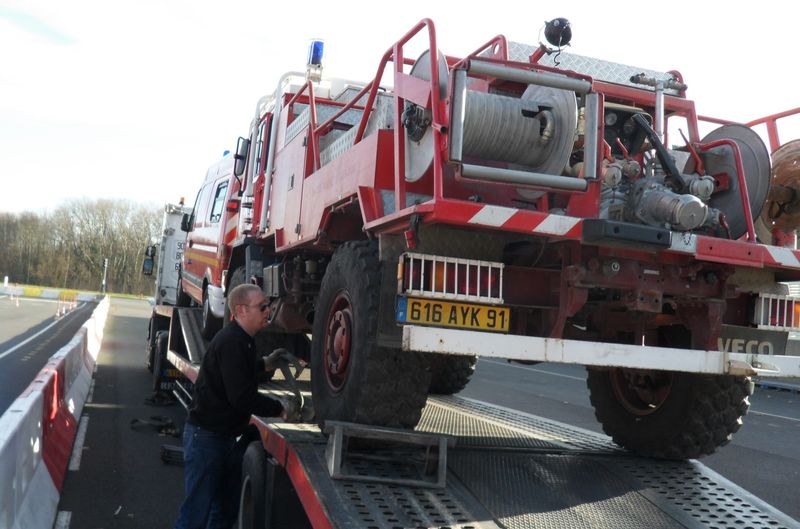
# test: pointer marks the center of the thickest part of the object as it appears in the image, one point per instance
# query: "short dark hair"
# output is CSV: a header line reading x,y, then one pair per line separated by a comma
x,y
240,295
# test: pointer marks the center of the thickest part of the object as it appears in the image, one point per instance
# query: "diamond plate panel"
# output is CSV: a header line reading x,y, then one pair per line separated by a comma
x,y
381,118
380,506
476,424
596,68
324,113
547,491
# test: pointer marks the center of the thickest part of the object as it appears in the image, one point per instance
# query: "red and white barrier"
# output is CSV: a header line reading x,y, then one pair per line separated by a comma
x,y
38,429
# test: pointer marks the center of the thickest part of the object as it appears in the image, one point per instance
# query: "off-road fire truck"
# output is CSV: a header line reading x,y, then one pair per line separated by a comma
x,y
518,202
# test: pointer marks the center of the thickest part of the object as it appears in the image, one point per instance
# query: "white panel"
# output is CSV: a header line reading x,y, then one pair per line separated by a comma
x,y
556,225
493,216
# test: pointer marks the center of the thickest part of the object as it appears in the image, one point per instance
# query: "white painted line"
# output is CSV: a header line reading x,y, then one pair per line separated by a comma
x,y
528,368
62,520
773,415
77,448
9,351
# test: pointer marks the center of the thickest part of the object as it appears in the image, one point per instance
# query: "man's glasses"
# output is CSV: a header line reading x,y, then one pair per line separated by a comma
x,y
262,308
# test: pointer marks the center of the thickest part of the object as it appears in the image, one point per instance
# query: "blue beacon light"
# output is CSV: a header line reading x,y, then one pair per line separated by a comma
x,y
315,51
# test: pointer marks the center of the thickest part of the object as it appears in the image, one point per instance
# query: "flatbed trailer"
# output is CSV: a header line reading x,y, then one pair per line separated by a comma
x,y
484,467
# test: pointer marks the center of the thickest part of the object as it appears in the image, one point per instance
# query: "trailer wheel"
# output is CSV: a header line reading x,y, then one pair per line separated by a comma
x,y
252,501
268,499
668,415
159,359
210,324
352,378
450,374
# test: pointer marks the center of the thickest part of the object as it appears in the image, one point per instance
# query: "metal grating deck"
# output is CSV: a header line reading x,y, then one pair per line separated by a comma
x,y
513,470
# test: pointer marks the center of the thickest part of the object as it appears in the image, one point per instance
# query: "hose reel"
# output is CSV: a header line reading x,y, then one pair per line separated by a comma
x,y
532,133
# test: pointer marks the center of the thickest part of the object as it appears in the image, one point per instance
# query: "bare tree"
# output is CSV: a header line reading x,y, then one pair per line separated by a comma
x,y
66,248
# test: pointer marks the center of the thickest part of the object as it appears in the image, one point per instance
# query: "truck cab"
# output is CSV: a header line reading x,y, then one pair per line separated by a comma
x,y
211,228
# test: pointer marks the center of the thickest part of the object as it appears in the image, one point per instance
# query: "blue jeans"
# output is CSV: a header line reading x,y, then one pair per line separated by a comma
x,y
213,477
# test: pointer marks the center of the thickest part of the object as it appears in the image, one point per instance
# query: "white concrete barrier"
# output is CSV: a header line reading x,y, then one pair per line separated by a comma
x,y
38,429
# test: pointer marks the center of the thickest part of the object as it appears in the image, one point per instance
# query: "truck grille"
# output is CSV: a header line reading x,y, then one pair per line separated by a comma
x,y
432,276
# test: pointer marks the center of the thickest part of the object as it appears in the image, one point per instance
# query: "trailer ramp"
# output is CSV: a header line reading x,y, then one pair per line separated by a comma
x,y
513,470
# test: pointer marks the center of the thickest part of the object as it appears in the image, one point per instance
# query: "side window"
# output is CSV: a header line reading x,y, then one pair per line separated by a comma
x,y
196,220
219,202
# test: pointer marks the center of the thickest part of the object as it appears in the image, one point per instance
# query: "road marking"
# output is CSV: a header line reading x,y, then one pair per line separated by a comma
x,y
62,520
9,351
77,449
528,368
501,363
773,415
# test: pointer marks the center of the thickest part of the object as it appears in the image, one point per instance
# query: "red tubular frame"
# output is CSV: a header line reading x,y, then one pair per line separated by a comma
x,y
748,215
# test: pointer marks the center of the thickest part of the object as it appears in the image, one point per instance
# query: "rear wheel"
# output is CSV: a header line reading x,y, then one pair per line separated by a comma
x,y
352,378
450,374
268,498
667,414
252,501
160,359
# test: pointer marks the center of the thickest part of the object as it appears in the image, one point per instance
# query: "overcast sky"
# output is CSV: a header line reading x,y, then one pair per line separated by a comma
x,y
106,99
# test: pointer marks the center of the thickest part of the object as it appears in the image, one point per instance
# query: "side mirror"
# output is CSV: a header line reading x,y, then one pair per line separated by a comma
x,y
240,158
186,222
147,266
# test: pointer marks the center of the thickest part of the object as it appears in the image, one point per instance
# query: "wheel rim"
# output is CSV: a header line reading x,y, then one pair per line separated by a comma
x,y
641,392
338,342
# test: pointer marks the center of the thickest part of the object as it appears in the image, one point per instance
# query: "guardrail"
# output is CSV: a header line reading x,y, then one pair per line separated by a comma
x,y
38,429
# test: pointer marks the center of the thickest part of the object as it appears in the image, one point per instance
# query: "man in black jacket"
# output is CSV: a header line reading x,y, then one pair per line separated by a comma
x,y
225,396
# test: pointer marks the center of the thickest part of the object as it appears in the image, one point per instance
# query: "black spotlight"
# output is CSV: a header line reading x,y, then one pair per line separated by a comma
x,y
557,32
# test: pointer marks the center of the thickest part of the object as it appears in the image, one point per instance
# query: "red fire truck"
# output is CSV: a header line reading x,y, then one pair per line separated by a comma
x,y
514,205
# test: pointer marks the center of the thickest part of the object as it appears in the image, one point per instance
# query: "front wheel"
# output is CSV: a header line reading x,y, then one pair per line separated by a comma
x,y
666,414
210,324
352,378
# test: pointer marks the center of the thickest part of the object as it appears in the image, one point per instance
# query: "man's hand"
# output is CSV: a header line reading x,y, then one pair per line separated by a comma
x,y
291,410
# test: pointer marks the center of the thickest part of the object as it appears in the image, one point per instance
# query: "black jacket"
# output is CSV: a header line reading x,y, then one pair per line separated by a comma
x,y
226,391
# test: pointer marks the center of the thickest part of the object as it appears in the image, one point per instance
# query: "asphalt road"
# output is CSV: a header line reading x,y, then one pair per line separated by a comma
x,y
121,482
29,335
763,457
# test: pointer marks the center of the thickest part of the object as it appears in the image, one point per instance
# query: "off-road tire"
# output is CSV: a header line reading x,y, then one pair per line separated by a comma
x,y
450,374
377,385
699,414
252,499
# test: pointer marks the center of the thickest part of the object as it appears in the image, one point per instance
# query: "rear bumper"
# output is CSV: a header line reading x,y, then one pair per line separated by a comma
x,y
536,349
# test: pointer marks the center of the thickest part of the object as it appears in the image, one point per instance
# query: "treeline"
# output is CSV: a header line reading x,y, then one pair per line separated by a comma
x,y
66,248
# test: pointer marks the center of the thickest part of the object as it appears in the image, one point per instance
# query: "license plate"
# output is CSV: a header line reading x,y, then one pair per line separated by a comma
x,y
451,314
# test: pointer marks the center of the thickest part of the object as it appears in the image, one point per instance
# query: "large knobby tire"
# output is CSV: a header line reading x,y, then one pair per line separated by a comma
x,y
352,378
252,499
210,324
450,374
666,414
